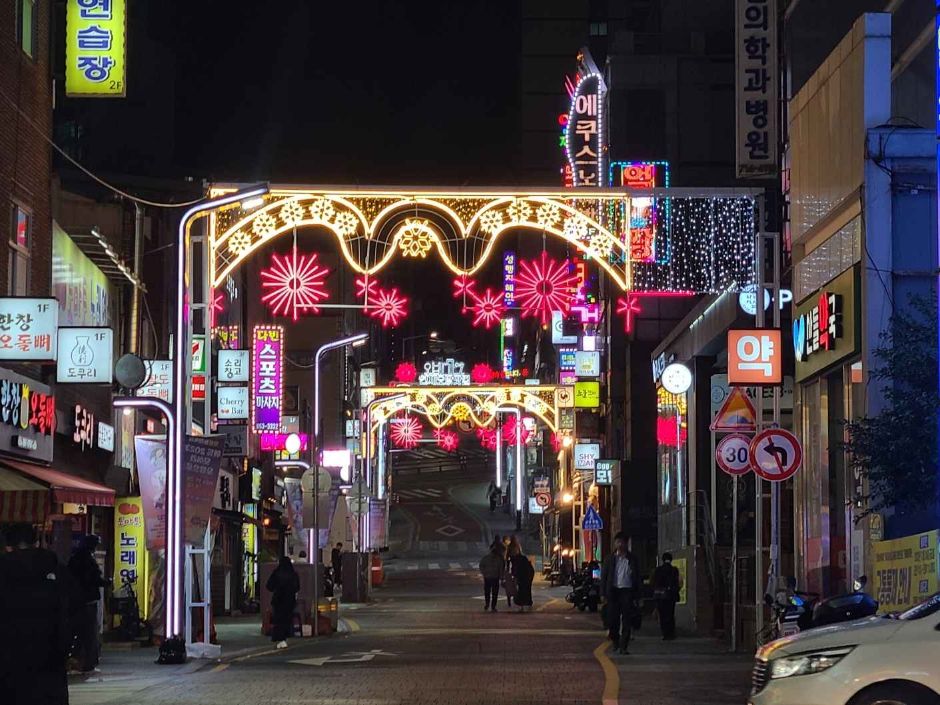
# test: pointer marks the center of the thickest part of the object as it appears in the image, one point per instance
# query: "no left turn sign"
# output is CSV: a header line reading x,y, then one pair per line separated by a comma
x,y
733,454
776,454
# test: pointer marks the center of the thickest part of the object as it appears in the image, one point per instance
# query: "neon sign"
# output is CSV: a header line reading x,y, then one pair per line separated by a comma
x,y
444,373
268,378
819,328
509,278
584,130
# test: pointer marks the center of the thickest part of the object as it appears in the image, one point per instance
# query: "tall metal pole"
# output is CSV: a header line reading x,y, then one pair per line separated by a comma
x,y
759,404
315,560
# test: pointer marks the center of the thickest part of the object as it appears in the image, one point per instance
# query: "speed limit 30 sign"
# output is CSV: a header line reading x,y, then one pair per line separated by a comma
x,y
733,454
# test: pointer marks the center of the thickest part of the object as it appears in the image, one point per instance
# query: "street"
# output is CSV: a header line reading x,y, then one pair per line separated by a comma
x,y
425,639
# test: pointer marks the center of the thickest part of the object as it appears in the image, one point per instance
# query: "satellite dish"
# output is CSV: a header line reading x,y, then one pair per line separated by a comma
x,y
130,371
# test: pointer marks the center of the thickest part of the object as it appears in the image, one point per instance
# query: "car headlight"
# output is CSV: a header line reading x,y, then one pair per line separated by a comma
x,y
805,664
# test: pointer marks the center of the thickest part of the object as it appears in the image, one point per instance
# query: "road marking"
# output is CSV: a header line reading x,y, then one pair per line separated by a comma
x,y
455,566
434,566
553,601
220,667
611,694
353,657
412,567
351,624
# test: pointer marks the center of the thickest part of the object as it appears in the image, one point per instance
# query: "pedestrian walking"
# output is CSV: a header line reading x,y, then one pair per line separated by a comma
x,y
88,578
497,543
524,574
493,494
492,568
36,597
620,583
336,560
666,586
509,582
284,583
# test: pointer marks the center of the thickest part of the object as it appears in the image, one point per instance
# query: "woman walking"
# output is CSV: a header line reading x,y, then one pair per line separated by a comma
x,y
524,574
284,583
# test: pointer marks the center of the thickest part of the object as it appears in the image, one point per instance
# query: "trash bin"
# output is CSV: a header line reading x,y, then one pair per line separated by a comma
x,y
328,611
378,572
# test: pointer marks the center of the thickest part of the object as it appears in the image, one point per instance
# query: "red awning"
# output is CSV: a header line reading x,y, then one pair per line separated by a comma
x,y
22,499
65,487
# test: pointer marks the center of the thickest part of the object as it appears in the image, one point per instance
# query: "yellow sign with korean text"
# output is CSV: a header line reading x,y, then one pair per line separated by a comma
x,y
130,549
96,49
905,571
587,395
682,566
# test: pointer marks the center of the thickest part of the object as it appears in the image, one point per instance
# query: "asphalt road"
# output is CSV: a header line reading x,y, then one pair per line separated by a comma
x,y
425,640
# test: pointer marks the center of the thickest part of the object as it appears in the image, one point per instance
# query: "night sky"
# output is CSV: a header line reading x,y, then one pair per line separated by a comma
x,y
383,91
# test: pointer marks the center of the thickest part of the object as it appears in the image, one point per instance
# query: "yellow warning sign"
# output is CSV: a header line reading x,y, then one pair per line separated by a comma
x,y
736,414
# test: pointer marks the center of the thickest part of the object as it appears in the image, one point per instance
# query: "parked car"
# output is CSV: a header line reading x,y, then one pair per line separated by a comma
x,y
877,660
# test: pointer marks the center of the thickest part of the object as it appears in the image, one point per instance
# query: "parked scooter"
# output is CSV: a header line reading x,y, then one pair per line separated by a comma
x,y
795,611
586,589
846,608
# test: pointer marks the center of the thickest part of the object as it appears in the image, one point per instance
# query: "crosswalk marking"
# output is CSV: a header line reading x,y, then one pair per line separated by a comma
x,y
455,566
433,566
420,493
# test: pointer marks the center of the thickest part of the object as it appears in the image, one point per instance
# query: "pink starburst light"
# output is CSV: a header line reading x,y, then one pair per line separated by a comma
x,y
406,372
464,285
366,285
388,306
487,309
217,307
482,373
487,438
629,307
544,285
509,432
448,440
406,432
294,284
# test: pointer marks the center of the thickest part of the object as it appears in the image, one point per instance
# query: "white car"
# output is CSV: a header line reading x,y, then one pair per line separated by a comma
x,y
874,661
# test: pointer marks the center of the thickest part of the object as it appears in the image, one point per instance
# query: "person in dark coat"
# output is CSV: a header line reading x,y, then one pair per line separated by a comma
x,y
492,567
524,573
87,575
284,583
36,597
666,586
336,560
620,585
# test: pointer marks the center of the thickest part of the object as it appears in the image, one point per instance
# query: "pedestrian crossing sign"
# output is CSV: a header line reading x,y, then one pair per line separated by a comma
x,y
592,520
736,414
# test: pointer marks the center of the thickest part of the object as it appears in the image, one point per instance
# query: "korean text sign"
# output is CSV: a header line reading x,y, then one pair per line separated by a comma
x,y
905,571
85,355
755,357
95,48
202,457
28,329
584,131
268,377
130,554
756,82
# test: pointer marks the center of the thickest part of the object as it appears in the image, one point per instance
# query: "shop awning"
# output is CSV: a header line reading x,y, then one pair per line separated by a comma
x,y
65,487
22,499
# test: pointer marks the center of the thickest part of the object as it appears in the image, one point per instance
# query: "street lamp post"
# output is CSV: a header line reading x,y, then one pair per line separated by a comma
x,y
173,506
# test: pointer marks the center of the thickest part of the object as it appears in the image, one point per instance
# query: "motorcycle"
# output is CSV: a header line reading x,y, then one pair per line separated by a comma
x,y
846,608
586,589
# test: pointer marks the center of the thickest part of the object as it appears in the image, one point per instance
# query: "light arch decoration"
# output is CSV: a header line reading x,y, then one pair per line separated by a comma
x,y
372,227
478,404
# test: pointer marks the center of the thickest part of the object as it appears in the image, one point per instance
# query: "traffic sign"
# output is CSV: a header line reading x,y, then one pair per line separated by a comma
x,y
733,454
736,414
776,454
592,520
543,499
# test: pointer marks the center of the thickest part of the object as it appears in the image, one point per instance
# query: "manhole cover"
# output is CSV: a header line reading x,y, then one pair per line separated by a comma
x,y
449,531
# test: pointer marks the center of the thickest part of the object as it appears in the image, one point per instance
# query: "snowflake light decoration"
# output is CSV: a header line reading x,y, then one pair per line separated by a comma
x,y
509,432
416,240
388,306
321,210
345,223
264,225
547,215
629,307
576,227
464,286
460,411
487,309
294,283
544,285
366,285
406,432
482,373
406,372
519,211
292,212
448,440
487,438
600,245
239,242
491,222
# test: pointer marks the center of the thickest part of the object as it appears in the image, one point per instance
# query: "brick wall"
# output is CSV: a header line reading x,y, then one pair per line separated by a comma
x,y
25,157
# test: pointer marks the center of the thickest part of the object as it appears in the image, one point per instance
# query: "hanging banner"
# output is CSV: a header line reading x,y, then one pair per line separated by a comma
x,y
151,472
295,510
202,457
95,48
905,571
756,77
268,378
130,555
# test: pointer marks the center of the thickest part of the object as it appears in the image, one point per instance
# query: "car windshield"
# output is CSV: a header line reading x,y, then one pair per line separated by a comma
x,y
924,609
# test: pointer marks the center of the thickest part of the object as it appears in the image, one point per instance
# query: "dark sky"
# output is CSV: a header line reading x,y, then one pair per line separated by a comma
x,y
375,91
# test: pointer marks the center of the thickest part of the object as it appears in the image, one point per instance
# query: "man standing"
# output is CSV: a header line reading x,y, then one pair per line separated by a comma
x,y
35,600
492,567
87,574
620,583
666,586
336,560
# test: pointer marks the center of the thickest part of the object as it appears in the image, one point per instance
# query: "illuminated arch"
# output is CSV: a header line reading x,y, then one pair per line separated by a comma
x,y
442,405
462,227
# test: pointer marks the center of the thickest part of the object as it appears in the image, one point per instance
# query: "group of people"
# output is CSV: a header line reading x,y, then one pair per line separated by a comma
x,y
620,586
507,565
47,611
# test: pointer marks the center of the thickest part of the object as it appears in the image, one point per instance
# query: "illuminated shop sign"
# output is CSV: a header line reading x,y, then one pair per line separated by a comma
x,y
509,278
818,328
648,215
568,359
268,373
444,373
584,130
95,55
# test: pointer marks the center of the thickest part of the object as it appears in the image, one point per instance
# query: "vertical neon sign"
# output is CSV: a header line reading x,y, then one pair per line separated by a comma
x,y
267,346
509,278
